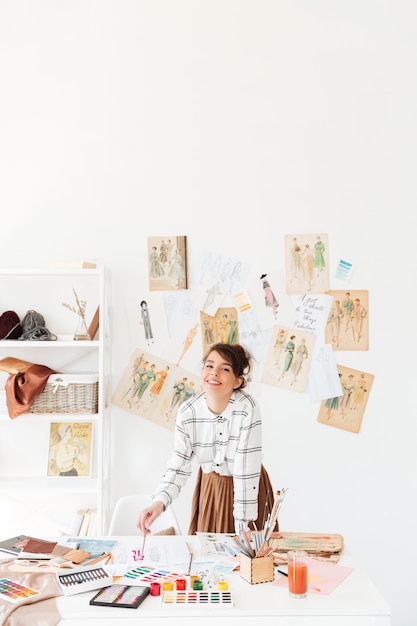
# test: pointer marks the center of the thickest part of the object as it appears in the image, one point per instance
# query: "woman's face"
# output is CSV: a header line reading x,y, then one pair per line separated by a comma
x,y
218,376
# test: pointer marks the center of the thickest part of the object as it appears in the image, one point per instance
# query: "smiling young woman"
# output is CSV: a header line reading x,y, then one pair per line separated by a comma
x,y
222,429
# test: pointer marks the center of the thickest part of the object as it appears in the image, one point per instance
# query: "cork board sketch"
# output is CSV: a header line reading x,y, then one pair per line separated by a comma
x,y
306,263
153,388
220,328
288,360
346,411
167,263
347,325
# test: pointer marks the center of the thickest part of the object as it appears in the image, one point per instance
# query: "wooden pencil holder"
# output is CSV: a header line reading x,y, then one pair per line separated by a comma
x,y
257,570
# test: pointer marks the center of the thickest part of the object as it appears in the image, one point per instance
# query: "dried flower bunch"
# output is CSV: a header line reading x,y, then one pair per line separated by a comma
x,y
81,305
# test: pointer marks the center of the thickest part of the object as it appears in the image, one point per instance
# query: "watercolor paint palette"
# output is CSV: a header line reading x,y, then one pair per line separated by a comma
x,y
15,592
207,599
146,575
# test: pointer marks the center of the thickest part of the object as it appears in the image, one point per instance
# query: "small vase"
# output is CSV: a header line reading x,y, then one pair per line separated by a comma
x,y
81,332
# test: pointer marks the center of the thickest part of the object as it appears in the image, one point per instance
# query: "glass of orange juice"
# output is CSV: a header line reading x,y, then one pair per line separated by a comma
x,y
297,573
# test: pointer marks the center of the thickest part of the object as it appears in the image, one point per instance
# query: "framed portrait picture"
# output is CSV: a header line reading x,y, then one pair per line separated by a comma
x,y
69,450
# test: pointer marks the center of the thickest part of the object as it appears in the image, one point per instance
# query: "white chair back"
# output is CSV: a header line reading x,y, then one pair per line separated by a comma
x,y
126,513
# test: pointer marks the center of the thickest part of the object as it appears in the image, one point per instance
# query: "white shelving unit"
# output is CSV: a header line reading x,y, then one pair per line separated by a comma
x,y
30,501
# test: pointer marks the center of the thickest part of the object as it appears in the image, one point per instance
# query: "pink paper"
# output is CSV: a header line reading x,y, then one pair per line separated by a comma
x,y
325,576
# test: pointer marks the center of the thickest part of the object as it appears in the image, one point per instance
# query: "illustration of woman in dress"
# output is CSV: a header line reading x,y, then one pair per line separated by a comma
x,y
177,273
308,265
155,390
300,354
156,268
332,404
270,299
289,349
296,260
335,319
279,346
146,321
223,328
232,336
319,262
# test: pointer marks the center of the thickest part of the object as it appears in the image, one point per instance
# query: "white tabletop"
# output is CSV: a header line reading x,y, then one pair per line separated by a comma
x,y
355,601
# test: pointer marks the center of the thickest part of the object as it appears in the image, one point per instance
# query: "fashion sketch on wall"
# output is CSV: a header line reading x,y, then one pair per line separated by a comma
x,y
154,388
288,360
347,325
346,411
167,263
306,263
220,328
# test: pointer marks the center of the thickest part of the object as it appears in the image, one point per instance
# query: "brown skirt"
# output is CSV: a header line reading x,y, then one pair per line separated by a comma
x,y
212,504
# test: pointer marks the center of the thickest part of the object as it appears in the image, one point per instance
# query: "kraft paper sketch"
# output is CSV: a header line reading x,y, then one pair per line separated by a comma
x,y
289,357
307,263
167,263
346,411
347,324
154,388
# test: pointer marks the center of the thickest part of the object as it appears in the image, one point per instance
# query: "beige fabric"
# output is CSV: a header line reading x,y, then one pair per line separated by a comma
x,y
212,504
40,610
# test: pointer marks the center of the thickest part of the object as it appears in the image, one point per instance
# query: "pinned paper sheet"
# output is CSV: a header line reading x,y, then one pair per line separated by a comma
x,y
325,576
344,270
242,301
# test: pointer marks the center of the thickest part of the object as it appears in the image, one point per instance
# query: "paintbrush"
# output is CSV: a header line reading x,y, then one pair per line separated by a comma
x,y
191,557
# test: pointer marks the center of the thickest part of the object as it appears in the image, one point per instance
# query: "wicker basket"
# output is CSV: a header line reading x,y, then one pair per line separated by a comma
x,y
68,393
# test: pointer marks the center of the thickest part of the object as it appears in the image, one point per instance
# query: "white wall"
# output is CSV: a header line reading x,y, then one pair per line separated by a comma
x,y
234,123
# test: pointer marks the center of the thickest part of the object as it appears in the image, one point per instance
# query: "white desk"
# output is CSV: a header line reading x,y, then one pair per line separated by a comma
x,y
355,602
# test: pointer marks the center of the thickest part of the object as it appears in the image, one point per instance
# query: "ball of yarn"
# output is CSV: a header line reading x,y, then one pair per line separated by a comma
x,y
34,329
10,327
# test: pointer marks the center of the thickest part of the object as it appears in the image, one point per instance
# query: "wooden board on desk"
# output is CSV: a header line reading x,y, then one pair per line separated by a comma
x,y
324,546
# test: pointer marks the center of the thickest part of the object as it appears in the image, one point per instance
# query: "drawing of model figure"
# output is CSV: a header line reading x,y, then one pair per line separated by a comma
x,y
223,328
308,265
146,380
156,268
332,404
270,299
279,347
232,336
138,376
300,354
155,390
188,341
289,349
347,305
359,392
211,295
179,390
319,262
146,321
359,313
208,331
335,319
296,261
177,273
348,387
